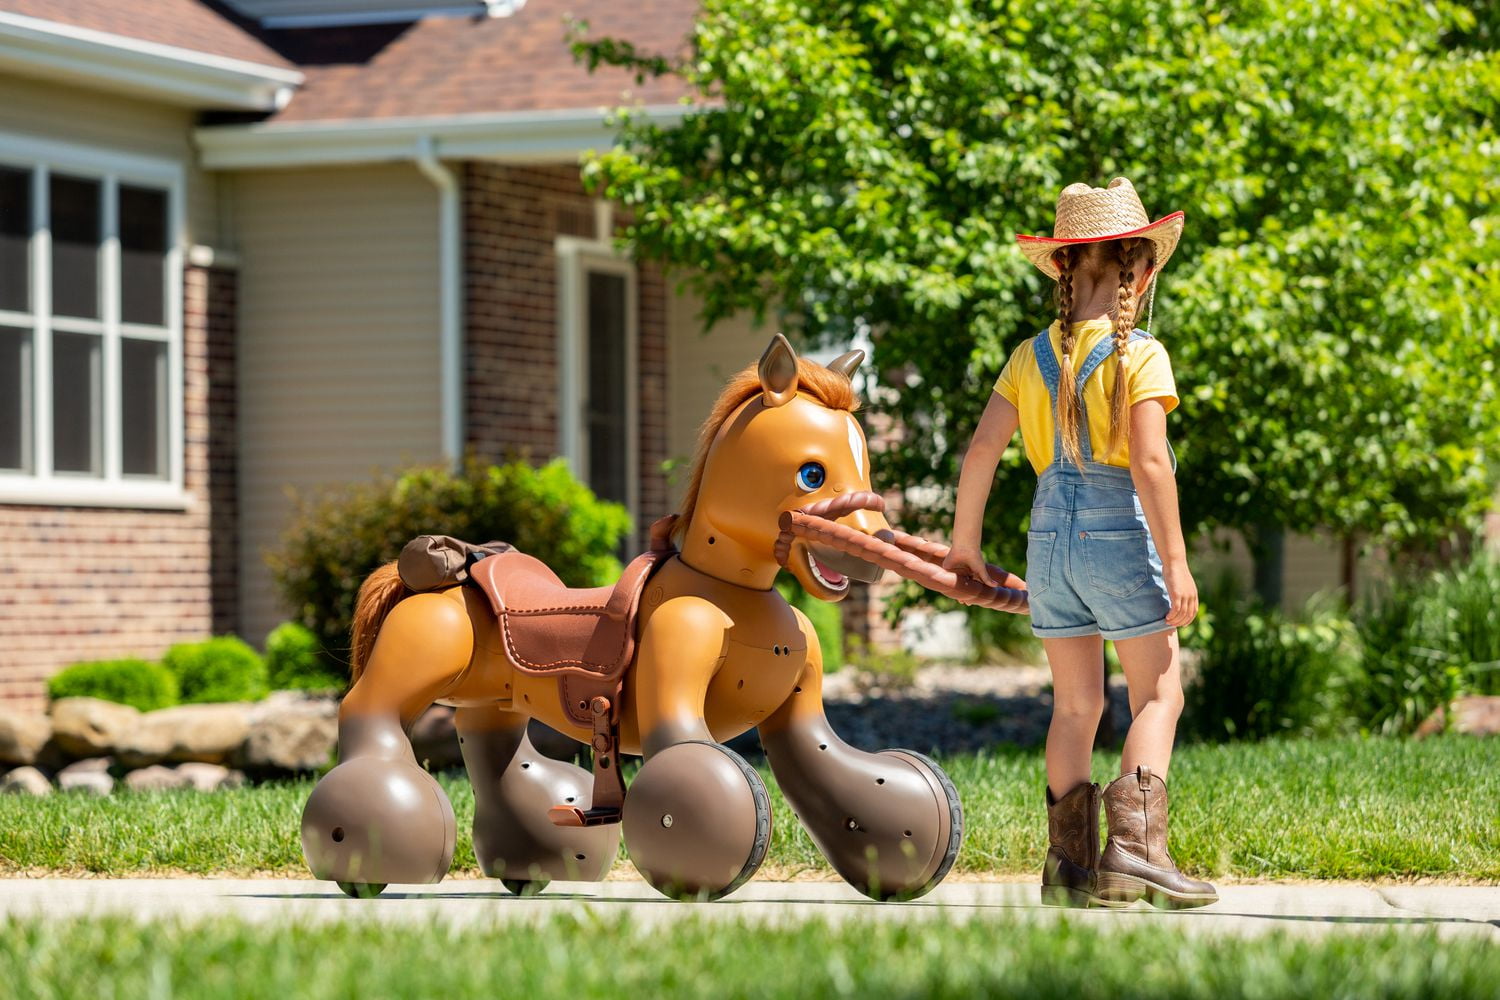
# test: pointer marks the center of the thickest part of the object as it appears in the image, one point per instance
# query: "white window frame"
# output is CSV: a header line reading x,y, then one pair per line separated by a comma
x,y
576,257
42,485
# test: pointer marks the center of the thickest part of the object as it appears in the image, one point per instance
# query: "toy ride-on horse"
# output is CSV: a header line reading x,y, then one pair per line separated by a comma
x,y
691,648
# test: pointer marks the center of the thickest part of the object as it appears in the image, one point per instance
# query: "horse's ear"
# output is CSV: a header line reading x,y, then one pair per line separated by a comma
x,y
778,372
847,364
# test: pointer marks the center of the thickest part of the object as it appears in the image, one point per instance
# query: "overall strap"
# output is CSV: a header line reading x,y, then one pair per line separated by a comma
x,y
1046,362
1046,359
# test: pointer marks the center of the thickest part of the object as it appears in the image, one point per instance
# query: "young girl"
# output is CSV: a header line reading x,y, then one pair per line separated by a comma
x,y
1105,557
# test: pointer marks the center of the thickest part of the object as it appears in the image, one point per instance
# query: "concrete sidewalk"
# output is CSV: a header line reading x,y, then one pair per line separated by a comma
x,y
1243,909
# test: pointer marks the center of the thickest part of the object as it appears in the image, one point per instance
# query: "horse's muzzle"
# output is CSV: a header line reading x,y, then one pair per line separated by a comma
x,y
909,557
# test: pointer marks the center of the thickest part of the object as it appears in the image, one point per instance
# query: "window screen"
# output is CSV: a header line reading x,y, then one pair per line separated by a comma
x,y
75,216
607,418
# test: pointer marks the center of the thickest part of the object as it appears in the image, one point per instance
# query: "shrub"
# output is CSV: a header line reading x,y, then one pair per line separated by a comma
x,y
883,669
137,683
222,669
294,661
1260,674
337,539
1428,641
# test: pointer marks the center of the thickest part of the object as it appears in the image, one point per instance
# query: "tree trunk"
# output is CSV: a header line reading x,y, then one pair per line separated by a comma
x,y
1267,545
1349,568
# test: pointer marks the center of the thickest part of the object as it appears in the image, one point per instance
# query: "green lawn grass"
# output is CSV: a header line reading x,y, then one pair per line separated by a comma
x,y
581,957
1334,809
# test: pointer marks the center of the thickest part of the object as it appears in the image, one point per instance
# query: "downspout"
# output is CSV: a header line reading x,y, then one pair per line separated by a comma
x,y
451,292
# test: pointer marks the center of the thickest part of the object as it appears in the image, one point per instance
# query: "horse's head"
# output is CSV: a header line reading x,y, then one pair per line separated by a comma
x,y
782,437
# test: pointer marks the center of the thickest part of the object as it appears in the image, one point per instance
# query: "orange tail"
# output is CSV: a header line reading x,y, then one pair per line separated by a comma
x,y
381,591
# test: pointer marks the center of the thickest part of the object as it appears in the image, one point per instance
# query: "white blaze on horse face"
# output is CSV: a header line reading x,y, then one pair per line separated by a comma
x,y
857,445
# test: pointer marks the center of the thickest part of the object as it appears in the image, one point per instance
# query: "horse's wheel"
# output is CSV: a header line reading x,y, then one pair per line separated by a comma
x,y
362,890
697,821
525,887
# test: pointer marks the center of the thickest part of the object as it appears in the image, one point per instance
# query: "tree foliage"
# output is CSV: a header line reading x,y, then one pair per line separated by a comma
x,y
1332,308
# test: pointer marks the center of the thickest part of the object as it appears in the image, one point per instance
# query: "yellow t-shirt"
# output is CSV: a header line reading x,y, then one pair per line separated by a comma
x,y
1150,373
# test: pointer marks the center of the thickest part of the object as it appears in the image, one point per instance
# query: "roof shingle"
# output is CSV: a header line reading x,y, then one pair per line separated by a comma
x,y
437,66
187,24
451,66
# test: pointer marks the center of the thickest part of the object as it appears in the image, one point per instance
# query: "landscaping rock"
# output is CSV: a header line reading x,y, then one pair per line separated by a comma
x,y
206,733
290,733
26,781
209,777
22,736
155,778
88,727
90,776
91,764
435,741
1476,715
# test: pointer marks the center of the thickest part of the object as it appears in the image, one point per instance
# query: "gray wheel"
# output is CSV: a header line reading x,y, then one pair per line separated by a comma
x,y
697,821
525,887
362,890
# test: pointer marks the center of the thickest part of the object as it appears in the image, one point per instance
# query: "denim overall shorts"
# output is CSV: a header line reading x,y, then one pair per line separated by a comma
x,y
1091,565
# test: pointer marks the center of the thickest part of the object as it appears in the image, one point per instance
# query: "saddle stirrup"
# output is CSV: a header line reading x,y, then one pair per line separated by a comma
x,y
609,787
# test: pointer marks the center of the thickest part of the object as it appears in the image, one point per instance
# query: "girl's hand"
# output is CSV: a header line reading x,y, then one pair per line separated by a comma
x,y
1182,591
968,562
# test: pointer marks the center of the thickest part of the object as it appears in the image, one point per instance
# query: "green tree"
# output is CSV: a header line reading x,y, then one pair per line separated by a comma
x,y
1331,311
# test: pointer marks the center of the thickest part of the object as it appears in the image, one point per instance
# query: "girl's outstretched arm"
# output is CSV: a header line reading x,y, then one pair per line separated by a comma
x,y
996,427
1151,470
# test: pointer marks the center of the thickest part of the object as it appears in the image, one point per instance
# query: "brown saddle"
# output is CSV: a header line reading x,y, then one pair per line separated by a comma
x,y
585,638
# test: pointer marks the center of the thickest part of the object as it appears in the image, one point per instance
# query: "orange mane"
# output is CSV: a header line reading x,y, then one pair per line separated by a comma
x,y
826,387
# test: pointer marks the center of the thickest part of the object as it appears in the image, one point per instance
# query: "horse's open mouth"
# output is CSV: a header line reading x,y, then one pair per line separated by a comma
x,y
825,574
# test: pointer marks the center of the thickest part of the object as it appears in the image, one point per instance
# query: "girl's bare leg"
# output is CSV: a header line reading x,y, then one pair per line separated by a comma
x,y
1154,677
1077,706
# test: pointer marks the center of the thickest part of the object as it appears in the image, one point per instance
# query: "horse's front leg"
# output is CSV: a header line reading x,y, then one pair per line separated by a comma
x,y
890,822
697,819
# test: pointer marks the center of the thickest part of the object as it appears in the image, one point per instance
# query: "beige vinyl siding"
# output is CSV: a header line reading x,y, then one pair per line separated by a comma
x,y
1311,565
97,119
338,344
698,365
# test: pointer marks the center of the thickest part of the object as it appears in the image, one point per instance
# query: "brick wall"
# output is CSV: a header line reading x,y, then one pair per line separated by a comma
x,y
217,291
91,583
512,218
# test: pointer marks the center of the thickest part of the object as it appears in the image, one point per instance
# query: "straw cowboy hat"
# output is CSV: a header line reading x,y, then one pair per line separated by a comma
x,y
1092,215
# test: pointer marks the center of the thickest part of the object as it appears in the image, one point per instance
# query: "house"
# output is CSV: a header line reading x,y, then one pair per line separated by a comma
x,y
286,243
254,245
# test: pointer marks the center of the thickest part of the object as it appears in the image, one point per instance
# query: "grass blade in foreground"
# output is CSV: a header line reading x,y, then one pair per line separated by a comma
x,y
584,958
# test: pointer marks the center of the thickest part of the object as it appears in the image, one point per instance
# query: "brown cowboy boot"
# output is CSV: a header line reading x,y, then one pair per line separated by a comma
x,y
1136,864
1072,848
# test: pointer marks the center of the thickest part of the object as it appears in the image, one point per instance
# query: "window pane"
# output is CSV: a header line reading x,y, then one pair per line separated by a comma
x,y
75,246
143,405
143,255
76,363
15,234
15,399
606,418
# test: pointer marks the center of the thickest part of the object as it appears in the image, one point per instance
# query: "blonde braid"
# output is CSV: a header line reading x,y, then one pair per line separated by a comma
x,y
1125,308
1069,406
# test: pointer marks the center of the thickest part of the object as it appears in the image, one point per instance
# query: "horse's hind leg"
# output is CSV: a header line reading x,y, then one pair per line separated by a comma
x,y
377,817
514,786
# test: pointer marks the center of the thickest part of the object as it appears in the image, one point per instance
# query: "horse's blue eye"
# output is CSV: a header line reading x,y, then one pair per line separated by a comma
x,y
811,476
